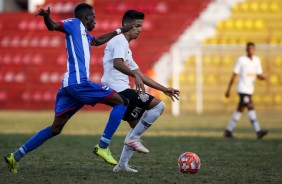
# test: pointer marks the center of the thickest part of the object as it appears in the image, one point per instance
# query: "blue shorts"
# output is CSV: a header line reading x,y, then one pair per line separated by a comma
x,y
72,98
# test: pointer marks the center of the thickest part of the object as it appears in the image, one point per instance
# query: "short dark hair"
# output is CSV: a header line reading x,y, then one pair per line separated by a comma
x,y
131,15
81,9
250,44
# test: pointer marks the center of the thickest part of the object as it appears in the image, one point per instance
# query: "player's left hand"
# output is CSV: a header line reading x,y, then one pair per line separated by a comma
x,y
172,93
126,28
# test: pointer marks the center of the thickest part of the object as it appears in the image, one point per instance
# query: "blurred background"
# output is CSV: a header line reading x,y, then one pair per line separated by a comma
x,y
188,44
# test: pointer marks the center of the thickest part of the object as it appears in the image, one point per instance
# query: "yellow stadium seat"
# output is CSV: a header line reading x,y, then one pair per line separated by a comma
x,y
278,61
274,79
248,24
226,60
191,78
278,99
274,7
239,24
245,7
264,6
259,24
229,24
215,60
254,6
220,25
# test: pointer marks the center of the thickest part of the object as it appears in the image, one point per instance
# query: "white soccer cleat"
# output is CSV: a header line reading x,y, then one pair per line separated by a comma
x,y
117,169
136,145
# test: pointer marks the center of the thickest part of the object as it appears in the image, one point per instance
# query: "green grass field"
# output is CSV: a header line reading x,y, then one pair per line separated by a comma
x,y
68,158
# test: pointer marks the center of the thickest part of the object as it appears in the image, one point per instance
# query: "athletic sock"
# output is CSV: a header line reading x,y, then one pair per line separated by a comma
x,y
126,154
148,118
253,119
33,143
112,125
235,117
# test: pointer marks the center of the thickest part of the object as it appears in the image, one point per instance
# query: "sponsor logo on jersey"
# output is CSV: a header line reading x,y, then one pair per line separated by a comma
x,y
143,97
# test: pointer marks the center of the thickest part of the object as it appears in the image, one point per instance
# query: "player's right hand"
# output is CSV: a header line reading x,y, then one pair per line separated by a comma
x,y
43,12
140,88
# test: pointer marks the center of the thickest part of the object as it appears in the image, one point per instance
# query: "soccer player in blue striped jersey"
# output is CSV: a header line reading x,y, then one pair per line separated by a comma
x,y
77,90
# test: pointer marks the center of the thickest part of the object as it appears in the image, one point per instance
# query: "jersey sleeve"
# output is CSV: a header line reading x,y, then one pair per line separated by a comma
x,y
132,64
259,68
119,51
237,66
67,25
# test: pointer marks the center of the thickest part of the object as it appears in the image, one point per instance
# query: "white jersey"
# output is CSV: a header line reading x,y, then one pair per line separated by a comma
x,y
117,47
247,69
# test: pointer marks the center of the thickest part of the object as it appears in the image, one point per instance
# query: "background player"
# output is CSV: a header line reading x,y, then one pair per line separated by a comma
x,y
77,90
118,65
248,68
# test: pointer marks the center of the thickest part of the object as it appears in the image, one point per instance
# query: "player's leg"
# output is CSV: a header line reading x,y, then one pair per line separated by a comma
x,y
126,154
155,109
33,143
235,117
119,108
253,119
119,105
65,107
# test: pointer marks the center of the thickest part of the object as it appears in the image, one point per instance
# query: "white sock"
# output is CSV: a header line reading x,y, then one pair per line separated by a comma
x,y
126,154
235,117
253,119
147,120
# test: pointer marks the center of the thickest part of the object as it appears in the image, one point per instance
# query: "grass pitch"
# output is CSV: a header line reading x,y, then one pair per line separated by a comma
x,y
68,158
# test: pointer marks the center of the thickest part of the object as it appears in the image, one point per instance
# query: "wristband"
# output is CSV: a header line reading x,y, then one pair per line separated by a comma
x,y
118,30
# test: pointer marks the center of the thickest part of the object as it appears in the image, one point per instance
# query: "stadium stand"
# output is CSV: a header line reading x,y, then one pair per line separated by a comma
x,y
251,20
34,58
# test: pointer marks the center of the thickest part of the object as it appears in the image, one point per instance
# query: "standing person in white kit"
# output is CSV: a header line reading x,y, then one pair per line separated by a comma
x,y
248,68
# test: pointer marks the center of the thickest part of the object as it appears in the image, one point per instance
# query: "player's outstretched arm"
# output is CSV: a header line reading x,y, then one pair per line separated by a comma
x,y
233,77
120,66
172,93
50,24
100,40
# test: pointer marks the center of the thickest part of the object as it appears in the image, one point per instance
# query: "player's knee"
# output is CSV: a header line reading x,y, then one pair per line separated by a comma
x,y
56,131
250,106
161,107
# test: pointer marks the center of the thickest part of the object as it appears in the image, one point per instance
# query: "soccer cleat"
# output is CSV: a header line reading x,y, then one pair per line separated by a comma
x,y
228,134
117,169
261,134
136,145
105,154
13,165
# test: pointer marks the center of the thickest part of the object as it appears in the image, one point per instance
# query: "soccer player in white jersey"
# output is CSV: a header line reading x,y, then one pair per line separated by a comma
x,y
77,90
118,65
248,68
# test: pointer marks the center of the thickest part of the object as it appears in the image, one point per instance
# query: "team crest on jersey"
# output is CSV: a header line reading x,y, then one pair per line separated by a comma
x,y
143,97
104,87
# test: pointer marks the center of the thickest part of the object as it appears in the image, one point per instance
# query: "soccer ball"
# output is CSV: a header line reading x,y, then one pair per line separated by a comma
x,y
189,163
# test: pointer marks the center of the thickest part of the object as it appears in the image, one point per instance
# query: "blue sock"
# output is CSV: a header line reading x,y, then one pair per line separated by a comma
x,y
33,143
112,125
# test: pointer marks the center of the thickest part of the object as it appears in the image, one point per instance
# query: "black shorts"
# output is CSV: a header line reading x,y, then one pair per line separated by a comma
x,y
138,104
245,99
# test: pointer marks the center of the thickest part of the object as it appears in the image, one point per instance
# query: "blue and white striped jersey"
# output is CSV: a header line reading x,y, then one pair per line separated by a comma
x,y
78,44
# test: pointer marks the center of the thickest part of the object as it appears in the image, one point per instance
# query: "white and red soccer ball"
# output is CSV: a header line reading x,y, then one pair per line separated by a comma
x,y
189,163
